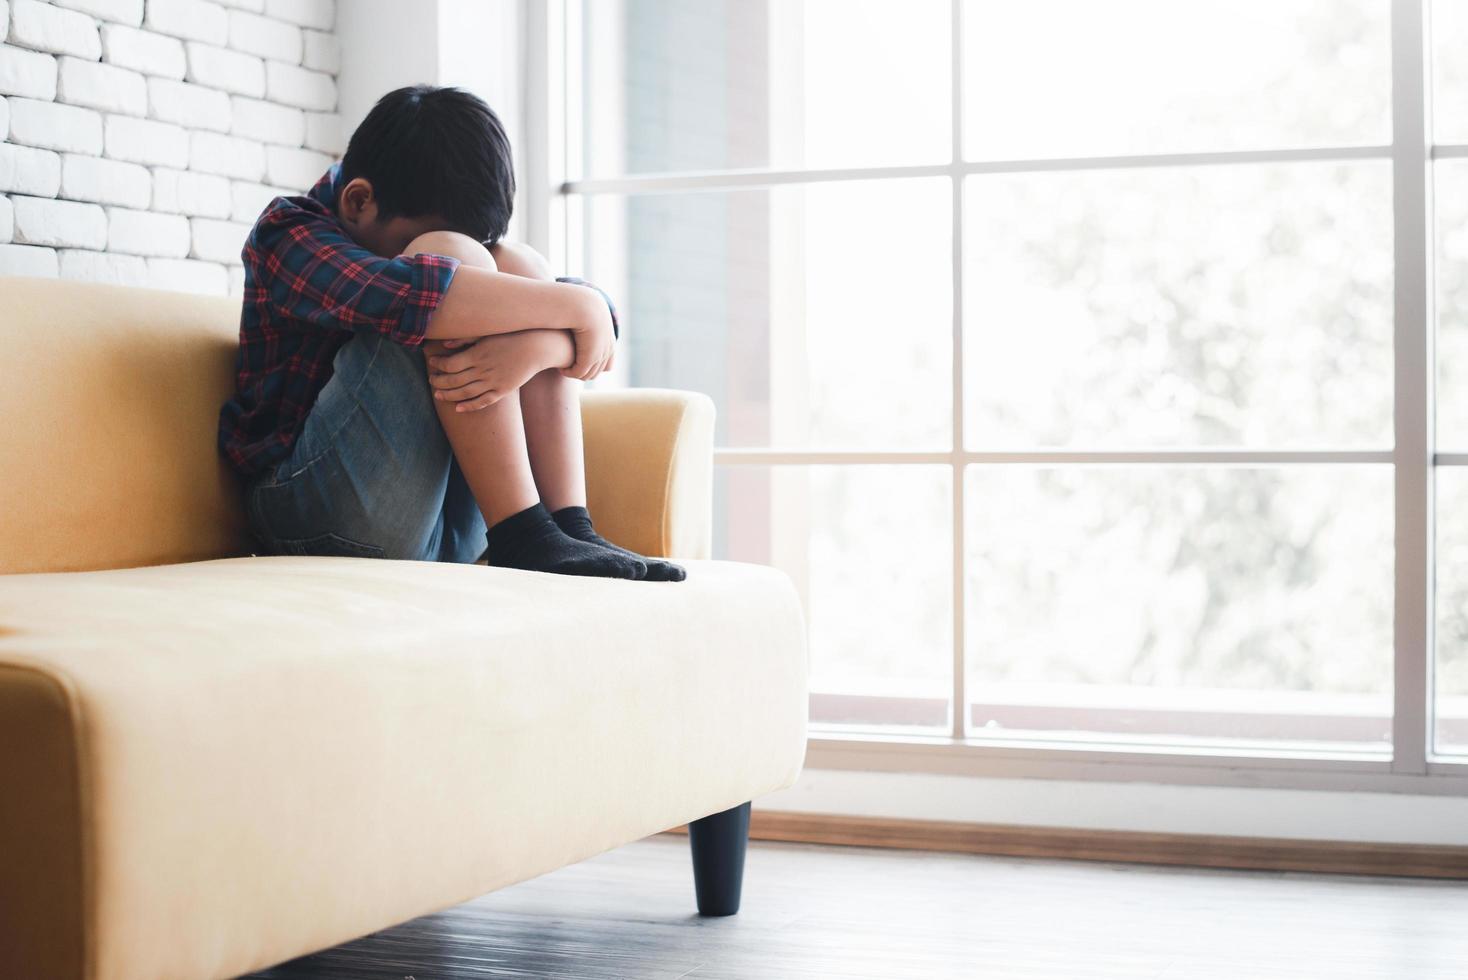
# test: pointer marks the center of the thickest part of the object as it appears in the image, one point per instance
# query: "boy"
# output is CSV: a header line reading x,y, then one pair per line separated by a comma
x,y
402,390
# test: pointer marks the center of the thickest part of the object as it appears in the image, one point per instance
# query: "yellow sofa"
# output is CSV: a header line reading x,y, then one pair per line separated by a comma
x,y
211,762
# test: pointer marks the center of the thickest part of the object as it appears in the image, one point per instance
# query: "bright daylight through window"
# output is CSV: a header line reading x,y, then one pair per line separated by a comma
x,y
1059,349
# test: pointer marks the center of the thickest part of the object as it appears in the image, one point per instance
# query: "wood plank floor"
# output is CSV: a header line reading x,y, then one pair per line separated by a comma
x,y
815,911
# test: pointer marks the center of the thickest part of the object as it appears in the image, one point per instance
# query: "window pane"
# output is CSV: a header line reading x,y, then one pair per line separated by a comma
x,y
1451,678
784,306
1233,603
1049,78
869,549
720,84
1450,71
1218,306
1450,200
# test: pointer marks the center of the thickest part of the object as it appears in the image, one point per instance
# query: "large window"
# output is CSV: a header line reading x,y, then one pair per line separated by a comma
x,y
1074,358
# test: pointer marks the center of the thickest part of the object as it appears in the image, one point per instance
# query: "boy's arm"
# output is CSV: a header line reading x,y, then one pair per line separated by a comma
x,y
306,267
480,302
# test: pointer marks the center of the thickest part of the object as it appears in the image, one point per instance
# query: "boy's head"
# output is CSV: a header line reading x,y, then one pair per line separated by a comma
x,y
426,159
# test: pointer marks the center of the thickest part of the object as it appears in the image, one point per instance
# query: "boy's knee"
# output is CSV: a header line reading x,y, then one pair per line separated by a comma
x,y
519,259
455,244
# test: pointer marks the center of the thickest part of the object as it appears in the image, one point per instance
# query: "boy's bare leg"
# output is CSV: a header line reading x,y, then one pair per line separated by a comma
x,y
551,405
489,444
491,449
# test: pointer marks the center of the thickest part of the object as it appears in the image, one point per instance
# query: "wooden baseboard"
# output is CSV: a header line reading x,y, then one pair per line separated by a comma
x,y
1137,847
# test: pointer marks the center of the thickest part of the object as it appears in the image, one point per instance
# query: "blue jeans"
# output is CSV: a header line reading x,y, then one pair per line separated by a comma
x,y
371,474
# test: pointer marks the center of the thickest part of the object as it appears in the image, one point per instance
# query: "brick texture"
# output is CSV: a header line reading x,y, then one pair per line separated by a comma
x,y
101,86
144,51
45,221
140,139
27,260
27,73
46,27
86,178
128,12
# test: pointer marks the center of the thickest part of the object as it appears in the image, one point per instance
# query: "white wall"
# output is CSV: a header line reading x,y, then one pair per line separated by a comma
x,y
473,44
143,137
383,50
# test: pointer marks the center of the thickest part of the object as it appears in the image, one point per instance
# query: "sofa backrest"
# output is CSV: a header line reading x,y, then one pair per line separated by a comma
x,y
109,403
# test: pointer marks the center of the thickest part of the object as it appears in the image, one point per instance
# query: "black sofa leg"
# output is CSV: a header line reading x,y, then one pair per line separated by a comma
x,y
718,841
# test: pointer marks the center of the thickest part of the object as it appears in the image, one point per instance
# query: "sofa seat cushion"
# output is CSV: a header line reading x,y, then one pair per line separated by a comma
x,y
279,754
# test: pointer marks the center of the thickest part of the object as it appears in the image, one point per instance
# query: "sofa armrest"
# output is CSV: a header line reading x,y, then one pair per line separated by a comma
x,y
649,469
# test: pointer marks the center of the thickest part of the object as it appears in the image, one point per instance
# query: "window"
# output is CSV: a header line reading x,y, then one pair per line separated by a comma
x,y
1073,358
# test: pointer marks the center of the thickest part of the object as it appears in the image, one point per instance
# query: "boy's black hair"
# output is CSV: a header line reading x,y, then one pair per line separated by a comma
x,y
439,151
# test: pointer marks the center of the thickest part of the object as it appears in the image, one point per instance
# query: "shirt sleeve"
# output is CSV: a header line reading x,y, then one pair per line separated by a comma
x,y
311,271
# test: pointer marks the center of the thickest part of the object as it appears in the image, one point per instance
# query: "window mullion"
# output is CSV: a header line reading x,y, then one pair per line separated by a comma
x,y
960,697
1412,333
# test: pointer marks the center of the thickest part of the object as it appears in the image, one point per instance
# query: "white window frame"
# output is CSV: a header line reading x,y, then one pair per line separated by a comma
x,y
554,191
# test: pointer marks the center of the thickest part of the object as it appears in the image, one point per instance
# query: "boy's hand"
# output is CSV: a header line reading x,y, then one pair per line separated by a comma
x,y
595,338
475,374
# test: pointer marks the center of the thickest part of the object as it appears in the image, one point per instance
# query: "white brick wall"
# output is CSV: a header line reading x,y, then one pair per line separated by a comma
x,y
228,156
247,200
100,86
53,126
188,275
286,167
86,178
232,71
320,14
324,132
322,52
267,38
146,141
28,260
140,139
147,233
44,27
124,270
128,12
188,104
186,192
24,170
143,51
268,122
298,86
45,221
217,241
197,20
27,73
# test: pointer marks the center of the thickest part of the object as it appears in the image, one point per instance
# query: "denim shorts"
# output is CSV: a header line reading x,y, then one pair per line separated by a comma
x,y
371,474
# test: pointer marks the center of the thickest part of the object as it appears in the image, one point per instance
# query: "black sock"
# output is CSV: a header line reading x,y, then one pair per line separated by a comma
x,y
576,522
532,541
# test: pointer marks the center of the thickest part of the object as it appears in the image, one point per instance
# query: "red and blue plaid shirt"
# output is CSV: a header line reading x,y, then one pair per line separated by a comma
x,y
308,288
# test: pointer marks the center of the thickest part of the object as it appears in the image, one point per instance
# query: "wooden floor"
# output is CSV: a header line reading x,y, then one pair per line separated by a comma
x,y
813,911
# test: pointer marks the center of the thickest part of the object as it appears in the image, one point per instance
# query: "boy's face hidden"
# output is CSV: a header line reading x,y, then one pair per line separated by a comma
x,y
358,211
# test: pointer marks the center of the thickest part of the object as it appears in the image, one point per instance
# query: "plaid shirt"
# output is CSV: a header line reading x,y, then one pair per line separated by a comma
x,y
308,288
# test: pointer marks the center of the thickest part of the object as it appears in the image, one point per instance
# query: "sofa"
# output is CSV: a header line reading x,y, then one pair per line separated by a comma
x,y
212,762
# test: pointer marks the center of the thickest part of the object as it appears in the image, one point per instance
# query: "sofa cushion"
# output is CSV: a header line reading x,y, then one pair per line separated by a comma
x,y
279,754
111,397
